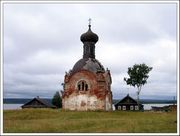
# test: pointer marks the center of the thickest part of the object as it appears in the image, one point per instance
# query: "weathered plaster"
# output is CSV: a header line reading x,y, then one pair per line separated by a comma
x,y
97,97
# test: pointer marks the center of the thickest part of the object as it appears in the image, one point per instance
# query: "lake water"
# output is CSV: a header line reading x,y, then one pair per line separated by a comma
x,y
18,106
12,106
148,106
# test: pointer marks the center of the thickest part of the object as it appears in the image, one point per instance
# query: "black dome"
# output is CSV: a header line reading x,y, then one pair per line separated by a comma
x,y
90,64
89,36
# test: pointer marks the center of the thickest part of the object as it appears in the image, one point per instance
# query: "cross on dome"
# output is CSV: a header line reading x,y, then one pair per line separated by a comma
x,y
89,21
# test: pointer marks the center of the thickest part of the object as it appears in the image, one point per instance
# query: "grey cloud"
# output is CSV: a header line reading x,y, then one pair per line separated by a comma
x,y
42,41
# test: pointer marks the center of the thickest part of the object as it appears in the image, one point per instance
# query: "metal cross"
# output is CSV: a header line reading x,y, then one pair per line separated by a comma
x,y
89,21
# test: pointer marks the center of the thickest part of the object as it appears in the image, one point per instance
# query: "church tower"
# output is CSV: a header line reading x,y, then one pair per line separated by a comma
x,y
88,85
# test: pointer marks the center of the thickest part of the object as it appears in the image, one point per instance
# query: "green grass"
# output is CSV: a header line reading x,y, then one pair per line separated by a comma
x,y
57,121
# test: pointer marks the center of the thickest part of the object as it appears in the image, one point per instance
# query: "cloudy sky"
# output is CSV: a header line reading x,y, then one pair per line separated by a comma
x,y
42,41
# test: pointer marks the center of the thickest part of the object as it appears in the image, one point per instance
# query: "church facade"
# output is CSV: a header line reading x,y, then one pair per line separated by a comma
x,y
88,85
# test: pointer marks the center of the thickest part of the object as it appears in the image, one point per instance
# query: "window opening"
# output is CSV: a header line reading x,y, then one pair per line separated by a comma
x,y
82,86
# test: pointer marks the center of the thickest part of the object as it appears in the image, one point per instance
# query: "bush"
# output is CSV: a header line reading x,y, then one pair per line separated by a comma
x,y
57,101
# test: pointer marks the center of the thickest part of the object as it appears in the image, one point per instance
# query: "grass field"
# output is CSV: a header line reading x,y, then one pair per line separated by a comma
x,y
57,121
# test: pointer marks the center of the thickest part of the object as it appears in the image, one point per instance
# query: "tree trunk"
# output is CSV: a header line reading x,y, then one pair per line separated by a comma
x,y
138,92
138,98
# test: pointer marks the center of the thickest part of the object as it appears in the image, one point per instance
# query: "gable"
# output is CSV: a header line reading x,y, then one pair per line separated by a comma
x,y
127,100
35,102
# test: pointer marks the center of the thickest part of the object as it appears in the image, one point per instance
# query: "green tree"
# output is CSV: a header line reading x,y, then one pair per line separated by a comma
x,y
138,75
57,101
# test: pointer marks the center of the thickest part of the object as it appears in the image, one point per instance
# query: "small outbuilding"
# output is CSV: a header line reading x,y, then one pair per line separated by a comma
x,y
38,103
173,107
128,103
165,108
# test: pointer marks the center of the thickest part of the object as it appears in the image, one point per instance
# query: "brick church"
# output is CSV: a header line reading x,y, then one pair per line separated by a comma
x,y
88,85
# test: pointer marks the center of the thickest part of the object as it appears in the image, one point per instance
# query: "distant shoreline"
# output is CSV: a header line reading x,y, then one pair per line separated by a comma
x,y
143,101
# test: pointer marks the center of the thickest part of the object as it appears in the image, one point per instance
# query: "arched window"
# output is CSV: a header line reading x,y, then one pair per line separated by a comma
x,y
82,86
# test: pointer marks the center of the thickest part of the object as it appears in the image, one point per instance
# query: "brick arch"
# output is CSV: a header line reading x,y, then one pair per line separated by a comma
x,y
85,76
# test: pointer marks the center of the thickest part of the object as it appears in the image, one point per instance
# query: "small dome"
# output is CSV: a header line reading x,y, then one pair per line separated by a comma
x,y
90,64
89,36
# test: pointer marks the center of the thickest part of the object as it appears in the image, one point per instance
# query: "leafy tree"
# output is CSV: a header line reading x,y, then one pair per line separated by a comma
x,y
138,75
57,101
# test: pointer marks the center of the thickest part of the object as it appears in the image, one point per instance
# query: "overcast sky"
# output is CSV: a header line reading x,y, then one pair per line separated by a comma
x,y
42,41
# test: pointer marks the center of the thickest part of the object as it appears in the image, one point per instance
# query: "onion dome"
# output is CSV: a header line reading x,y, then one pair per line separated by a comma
x,y
89,36
88,62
